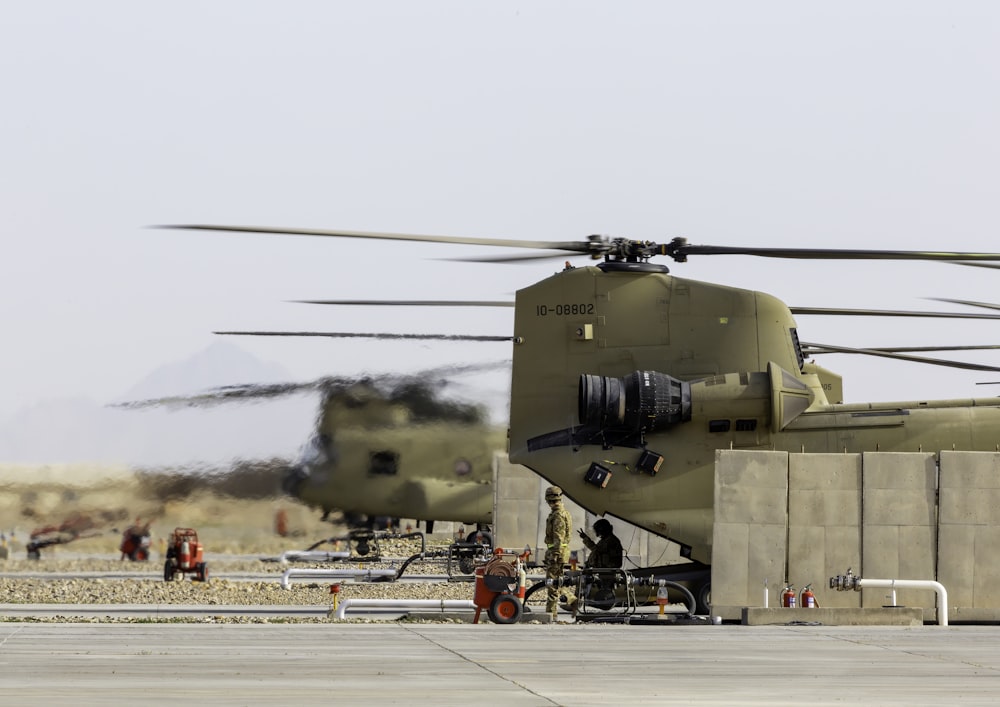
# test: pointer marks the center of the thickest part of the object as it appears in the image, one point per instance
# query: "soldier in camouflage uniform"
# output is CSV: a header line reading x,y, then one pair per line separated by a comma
x,y
558,527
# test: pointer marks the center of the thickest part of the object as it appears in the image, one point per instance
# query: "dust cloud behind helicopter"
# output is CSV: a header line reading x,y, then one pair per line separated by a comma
x,y
776,124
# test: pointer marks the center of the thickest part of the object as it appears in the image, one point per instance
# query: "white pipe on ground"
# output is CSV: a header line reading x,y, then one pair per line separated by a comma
x,y
895,584
405,604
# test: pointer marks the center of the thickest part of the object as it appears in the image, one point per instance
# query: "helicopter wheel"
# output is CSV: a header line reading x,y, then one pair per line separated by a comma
x,y
466,558
480,537
703,599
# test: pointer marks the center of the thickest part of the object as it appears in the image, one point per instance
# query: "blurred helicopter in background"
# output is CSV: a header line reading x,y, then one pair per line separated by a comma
x,y
385,447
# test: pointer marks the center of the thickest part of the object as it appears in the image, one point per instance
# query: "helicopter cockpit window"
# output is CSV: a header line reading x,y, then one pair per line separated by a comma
x,y
718,425
384,462
797,346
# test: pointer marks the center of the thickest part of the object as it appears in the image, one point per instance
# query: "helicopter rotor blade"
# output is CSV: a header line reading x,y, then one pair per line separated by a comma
x,y
887,313
572,246
812,349
995,266
263,391
970,303
795,310
368,335
408,303
685,249
511,258
621,248
903,357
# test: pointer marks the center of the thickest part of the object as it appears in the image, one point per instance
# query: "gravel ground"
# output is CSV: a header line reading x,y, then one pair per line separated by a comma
x,y
219,590
236,534
43,582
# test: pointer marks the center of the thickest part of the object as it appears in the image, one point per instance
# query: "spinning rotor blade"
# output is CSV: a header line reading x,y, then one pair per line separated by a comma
x,y
361,335
262,391
597,246
794,310
407,303
981,265
524,257
812,349
970,303
888,313
221,394
903,357
575,246
833,253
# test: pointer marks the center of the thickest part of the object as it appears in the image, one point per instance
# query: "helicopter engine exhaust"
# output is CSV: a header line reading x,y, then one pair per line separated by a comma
x,y
643,401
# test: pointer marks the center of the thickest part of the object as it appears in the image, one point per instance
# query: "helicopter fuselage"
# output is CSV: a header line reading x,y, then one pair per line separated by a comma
x,y
625,383
435,471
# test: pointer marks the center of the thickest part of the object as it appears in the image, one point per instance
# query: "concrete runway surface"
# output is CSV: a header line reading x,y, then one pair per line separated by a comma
x,y
528,664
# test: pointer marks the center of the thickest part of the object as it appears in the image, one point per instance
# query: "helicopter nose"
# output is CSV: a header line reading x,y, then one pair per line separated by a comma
x,y
292,483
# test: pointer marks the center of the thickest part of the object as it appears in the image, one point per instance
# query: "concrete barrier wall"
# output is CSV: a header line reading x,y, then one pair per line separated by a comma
x,y
969,534
519,510
899,525
824,523
750,534
884,515
516,501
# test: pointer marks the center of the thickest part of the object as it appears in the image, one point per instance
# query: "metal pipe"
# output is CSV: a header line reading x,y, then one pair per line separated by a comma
x,y
312,556
405,604
333,574
894,584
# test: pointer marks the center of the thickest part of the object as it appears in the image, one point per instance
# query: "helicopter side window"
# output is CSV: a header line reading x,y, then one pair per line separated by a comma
x,y
384,463
718,426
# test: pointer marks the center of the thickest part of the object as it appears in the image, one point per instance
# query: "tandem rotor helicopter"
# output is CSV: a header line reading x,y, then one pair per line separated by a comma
x,y
626,379
385,447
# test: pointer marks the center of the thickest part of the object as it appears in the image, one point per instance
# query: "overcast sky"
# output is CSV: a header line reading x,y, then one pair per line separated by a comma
x,y
855,124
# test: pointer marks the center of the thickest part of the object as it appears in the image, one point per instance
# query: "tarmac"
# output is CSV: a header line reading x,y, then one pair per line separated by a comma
x,y
524,664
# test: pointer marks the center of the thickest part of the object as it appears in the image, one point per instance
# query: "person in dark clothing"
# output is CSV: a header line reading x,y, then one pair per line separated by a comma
x,y
607,552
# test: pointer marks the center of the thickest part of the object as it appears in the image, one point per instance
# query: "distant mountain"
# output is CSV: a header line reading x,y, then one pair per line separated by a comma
x,y
84,430
222,363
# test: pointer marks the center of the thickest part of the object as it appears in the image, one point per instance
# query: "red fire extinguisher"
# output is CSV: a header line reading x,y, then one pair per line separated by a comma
x,y
788,597
808,599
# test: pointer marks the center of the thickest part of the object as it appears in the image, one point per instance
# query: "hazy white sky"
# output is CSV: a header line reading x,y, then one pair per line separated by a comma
x,y
855,124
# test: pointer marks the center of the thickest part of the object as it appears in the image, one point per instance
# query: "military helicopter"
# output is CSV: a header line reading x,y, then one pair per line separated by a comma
x,y
385,447
626,379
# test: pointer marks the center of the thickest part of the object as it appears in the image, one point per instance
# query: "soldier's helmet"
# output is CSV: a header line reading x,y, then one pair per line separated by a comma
x,y
553,493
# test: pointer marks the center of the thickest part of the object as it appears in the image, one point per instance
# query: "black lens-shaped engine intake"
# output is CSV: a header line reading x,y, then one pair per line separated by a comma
x,y
643,401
